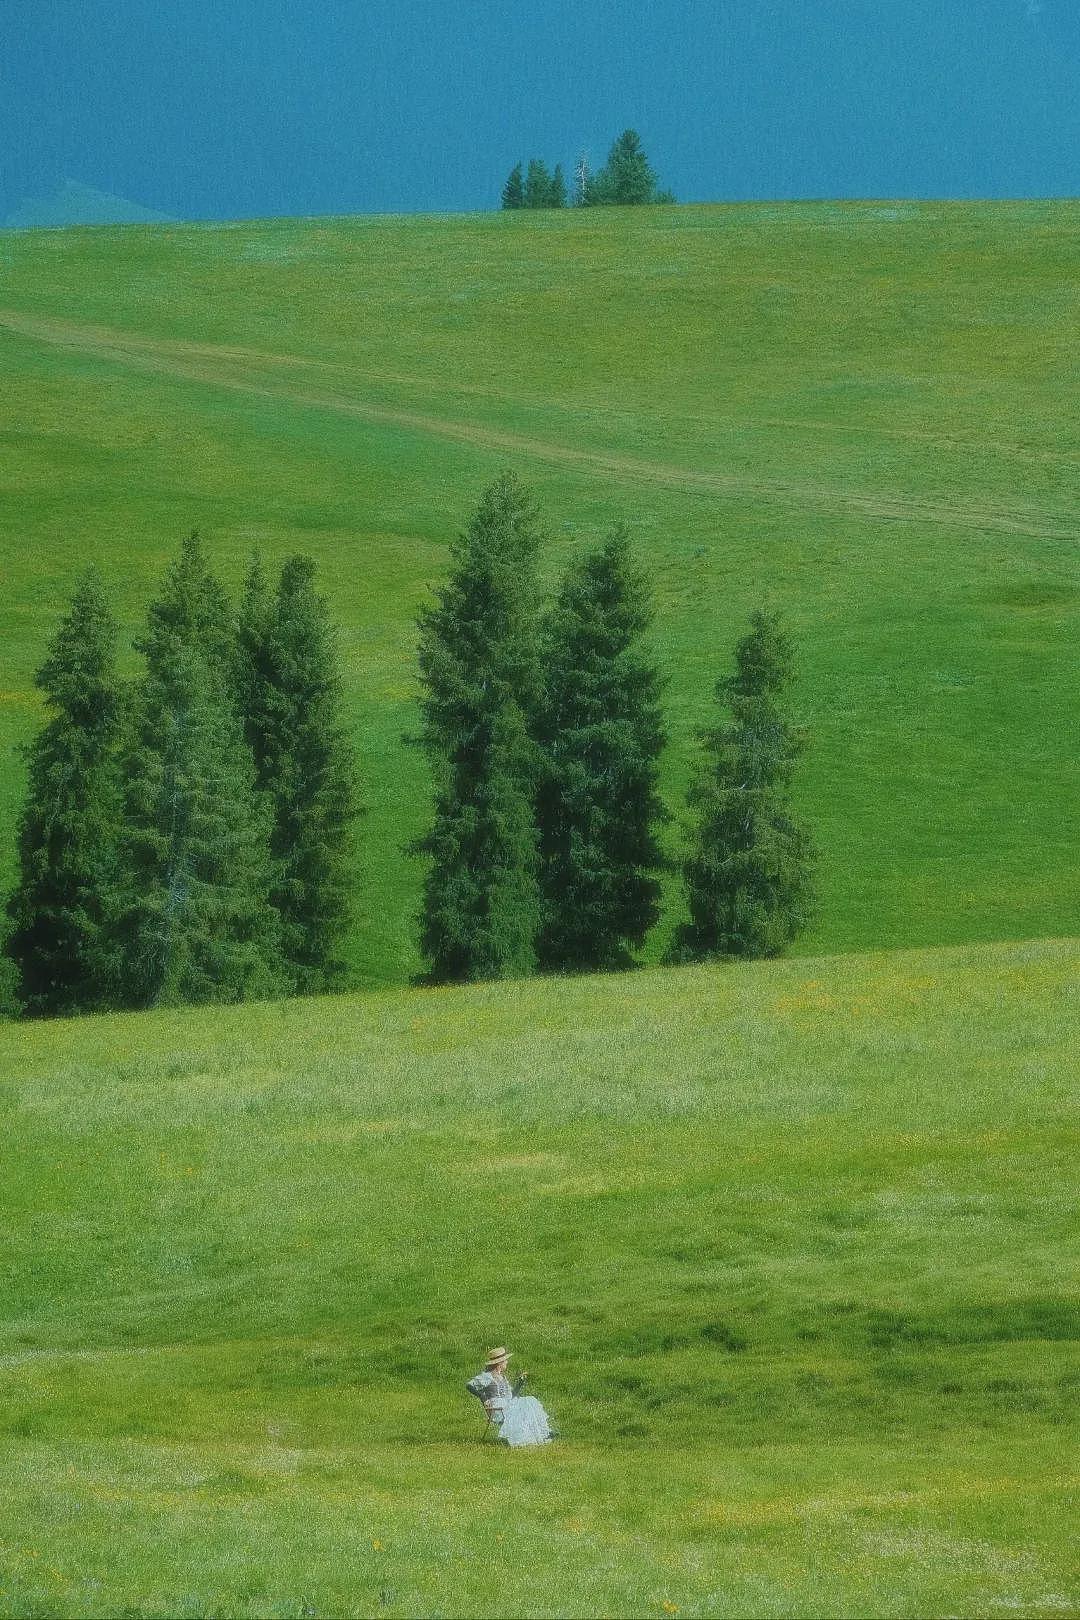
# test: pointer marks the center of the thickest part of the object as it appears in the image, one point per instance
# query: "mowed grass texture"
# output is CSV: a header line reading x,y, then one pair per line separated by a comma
x,y
790,1251
866,415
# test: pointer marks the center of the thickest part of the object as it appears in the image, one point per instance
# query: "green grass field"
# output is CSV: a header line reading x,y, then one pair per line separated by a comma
x,y
866,414
790,1251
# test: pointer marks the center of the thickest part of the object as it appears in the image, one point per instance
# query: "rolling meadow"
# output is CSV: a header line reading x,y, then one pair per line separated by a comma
x,y
789,1249
789,1252
864,415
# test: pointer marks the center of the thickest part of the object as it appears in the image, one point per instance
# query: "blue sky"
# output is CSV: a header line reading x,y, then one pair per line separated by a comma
x,y
233,108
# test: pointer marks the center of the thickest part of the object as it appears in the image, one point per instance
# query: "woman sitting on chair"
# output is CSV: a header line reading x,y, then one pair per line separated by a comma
x,y
518,1420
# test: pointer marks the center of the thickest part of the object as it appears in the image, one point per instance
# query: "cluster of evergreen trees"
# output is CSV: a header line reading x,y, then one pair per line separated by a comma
x,y
535,187
187,837
627,179
544,733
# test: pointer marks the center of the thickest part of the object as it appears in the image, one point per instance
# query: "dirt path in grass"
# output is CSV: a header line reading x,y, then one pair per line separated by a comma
x,y
252,372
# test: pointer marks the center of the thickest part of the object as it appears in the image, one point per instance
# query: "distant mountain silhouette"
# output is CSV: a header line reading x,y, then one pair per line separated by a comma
x,y
73,204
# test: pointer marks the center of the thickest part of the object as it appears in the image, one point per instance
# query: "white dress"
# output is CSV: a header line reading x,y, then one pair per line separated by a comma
x,y
520,1419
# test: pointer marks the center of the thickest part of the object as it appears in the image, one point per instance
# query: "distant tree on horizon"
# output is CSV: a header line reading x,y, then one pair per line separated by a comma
x,y
478,668
601,735
749,866
538,187
537,184
58,913
513,192
289,692
627,178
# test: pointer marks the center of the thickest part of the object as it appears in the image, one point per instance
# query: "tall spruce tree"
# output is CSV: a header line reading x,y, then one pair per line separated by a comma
x,y
557,191
193,921
749,869
627,178
58,913
631,174
290,696
513,192
537,184
479,672
601,735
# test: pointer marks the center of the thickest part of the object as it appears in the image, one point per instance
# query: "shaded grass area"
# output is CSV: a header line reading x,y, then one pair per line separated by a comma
x,y
790,1252
863,414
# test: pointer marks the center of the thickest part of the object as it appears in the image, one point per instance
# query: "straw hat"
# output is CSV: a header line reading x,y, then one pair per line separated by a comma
x,y
500,1353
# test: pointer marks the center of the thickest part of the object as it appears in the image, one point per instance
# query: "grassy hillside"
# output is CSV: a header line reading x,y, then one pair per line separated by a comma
x,y
866,414
789,1250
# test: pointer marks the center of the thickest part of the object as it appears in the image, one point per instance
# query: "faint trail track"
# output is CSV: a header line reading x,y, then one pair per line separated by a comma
x,y
217,365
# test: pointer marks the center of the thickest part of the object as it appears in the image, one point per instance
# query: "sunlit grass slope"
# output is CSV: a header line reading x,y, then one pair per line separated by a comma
x,y
867,414
790,1251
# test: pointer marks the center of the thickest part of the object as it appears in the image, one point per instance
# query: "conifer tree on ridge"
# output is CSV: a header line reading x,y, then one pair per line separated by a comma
x,y
59,910
601,735
513,192
537,184
536,187
627,178
477,655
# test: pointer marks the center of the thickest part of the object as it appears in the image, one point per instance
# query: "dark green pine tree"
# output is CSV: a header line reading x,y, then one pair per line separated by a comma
x,y
601,736
193,607
513,192
478,667
557,192
290,697
193,921
632,177
58,913
627,178
537,184
749,869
